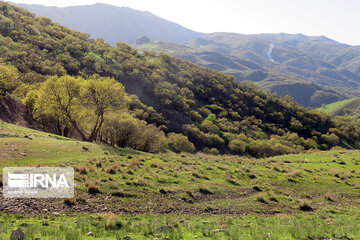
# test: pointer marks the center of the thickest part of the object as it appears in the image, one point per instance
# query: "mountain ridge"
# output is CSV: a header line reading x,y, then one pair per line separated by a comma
x,y
115,24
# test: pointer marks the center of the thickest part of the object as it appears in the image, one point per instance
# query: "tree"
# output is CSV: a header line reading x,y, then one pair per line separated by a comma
x,y
9,78
237,146
180,143
101,95
79,103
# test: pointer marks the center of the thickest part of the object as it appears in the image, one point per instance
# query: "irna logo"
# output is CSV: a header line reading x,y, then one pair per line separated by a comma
x,y
47,182
36,180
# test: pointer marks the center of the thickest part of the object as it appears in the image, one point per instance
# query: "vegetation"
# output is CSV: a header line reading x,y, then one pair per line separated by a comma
x,y
121,192
74,86
342,108
244,57
109,227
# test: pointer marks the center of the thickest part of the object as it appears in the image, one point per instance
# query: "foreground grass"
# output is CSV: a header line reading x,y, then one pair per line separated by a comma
x,y
315,195
107,226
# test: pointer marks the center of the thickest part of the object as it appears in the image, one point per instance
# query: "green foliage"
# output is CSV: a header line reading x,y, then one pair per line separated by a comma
x,y
237,146
180,143
9,78
77,104
124,130
75,86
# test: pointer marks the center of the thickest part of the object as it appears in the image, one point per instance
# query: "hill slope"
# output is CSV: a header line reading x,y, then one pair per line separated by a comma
x,y
304,92
342,108
115,24
325,69
187,186
217,113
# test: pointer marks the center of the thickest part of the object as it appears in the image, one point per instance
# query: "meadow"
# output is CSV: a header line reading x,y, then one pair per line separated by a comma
x,y
125,193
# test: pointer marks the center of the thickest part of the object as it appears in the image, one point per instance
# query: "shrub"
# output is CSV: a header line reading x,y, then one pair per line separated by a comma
x,y
305,206
69,202
237,146
9,78
112,222
81,170
205,191
214,151
93,189
260,198
180,143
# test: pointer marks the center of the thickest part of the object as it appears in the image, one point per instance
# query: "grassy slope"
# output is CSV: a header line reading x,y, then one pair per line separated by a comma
x,y
337,108
327,180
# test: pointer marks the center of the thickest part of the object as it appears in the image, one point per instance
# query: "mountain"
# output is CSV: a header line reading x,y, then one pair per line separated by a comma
x,y
315,59
312,70
247,68
208,108
115,24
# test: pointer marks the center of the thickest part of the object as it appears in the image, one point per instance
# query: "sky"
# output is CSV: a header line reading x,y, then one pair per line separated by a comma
x,y
336,19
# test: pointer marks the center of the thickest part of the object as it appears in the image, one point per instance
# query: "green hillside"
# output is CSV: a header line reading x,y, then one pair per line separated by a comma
x,y
42,59
342,108
300,190
252,68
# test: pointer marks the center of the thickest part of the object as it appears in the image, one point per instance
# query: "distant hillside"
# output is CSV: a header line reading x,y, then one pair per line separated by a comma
x,y
115,24
304,91
341,108
315,59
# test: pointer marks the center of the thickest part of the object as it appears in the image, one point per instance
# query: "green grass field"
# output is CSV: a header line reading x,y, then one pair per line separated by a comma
x,y
337,108
314,195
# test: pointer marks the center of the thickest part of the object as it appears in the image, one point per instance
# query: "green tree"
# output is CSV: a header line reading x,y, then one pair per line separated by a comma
x,y
180,143
9,78
79,103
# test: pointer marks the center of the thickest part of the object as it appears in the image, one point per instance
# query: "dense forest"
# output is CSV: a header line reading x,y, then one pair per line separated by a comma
x,y
75,86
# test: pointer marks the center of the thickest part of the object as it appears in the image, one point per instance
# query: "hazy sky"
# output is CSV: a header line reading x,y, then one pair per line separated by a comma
x,y
337,19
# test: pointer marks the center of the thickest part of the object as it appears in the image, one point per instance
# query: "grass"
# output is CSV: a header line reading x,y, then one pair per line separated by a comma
x,y
304,196
337,108
110,226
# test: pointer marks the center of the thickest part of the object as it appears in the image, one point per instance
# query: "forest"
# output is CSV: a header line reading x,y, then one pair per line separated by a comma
x,y
84,88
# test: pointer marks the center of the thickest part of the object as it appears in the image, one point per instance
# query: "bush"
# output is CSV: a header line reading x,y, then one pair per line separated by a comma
x,y
214,151
69,202
180,143
237,146
9,78
93,189
123,130
305,206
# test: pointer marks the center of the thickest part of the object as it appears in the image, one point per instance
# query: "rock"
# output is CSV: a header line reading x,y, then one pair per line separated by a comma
x,y
127,238
17,234
165,229
90,234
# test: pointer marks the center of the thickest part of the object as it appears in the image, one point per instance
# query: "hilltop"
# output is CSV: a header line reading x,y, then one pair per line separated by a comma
x,y
115,24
